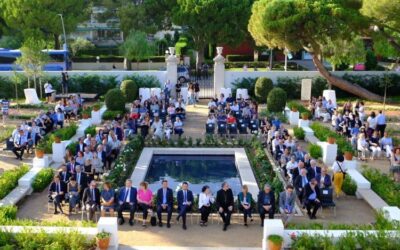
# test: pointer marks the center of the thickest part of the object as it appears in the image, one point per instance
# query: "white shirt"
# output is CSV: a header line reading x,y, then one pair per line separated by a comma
x,y
362,143
128,198
205,199
336,168
372,122
381,119
291,165
212,104
48,88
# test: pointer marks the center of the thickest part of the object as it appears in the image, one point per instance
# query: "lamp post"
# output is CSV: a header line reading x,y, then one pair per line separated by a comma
x,y
65,37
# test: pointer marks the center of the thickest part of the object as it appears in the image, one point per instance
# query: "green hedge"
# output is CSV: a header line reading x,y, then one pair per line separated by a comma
x,y
349,186
262,88
322,133
299,133
115,100
42,179
383,185
9,179
240,58
65,133
109,115
276,100
315,151
144,81
90,130
244,83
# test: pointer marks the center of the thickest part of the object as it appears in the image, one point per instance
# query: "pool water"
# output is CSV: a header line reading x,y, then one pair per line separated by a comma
x,y
197,170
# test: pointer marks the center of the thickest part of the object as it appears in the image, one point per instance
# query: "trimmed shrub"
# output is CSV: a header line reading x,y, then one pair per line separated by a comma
x,y
276,100
292,86
115,100
319,84
42,179
315,151
129,90
109,115
240,58
9,179
349,186
90,130
299,133
262,88
8,212
145,81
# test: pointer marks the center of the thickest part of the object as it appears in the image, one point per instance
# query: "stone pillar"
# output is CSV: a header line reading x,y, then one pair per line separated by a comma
x,y
294,118
219,72
272,227
96,117
329,152
306,86
172,68
58,152
110,225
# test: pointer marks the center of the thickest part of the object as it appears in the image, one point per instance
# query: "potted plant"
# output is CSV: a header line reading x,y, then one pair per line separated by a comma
x,y
305,115
348,152
275,242
293,106
103,240
96,106
86,114
39,150
331,140
57,138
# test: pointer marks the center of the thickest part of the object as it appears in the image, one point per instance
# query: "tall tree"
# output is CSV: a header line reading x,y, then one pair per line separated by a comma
x,y
212,21
32,59
39,19
136,47
309,24
344,52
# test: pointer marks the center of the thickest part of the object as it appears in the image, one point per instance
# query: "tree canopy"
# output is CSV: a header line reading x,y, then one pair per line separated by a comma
x,y
212,21
39,18
310,25
137,47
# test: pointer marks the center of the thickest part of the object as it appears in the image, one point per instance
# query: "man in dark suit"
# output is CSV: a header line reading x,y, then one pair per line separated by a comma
x,y
165,202
64,174
296,171
81,179
225,203
311,198
20,144
127,199
71,166
118,131
91,199
279,149
185,202
81,145
266,203
300,153
300,182
287,201
324,179
313,170
57,191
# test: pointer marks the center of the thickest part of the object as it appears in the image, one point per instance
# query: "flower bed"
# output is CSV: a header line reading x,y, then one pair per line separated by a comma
x,y
383,185
63,133
9,180
42,179
322,133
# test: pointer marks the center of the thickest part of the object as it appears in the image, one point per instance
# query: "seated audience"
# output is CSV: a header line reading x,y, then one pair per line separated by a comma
x,y
311,198
245,203
185,202
73,190
127,200
287,200
266,203
324,179
107,199
224,204
56,193
205,201
164,203
91,199
144,199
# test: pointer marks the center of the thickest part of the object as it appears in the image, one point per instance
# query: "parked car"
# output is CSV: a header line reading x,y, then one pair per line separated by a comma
x,y
183,74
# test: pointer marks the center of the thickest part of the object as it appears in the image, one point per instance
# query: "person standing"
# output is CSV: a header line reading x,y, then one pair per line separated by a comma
x,y
381,123
205,201
339,171
5,106
164,203
224,203
64,82
127,199
197,91
48,90
244,203
185,202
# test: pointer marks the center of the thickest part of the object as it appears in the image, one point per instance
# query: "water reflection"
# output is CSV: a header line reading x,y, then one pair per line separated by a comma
x,y
198,170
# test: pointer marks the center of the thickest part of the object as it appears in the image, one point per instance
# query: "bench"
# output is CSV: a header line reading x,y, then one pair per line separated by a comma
x,y
15,196
371,198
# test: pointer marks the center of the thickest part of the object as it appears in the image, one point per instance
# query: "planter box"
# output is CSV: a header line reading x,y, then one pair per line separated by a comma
x,y
304,123
294,118
41,162
96,117
329,152
274,226
58,152
110,225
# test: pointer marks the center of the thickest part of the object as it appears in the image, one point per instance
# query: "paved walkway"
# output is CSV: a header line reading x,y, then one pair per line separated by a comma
x,y
196,118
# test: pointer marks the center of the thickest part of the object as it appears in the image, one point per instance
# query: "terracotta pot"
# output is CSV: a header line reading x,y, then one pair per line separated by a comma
x,y
273,246
85,116
57,139
304,116
348,156
331,140
96,108
39,153
103,244
294,109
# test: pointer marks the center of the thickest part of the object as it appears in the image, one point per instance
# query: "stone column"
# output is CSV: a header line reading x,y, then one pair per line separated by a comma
x,y
219,72
172,68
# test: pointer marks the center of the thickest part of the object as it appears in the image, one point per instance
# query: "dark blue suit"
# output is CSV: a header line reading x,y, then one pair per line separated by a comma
x,y
183,208
168,200
123,198
311,173
119,133
327,181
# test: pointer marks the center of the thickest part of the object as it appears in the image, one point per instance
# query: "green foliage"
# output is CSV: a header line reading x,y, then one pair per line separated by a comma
x,y
9,179
103,235
276,239
90,130
72,147
292,86
262,88
144,81
315,151
322,133
276,100
371,62
299,133
341,51
109,115
349,186
270,115
244,83
8,213
129,90
181,45
80,44
239,58
5,133
137,46
10,42
64,134
42,179
319,84
383,185
115,100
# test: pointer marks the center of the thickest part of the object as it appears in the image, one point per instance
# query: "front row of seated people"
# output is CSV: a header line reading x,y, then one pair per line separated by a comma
x,y
128,198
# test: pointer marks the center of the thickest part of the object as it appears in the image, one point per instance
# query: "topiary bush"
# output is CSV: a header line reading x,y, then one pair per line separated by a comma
x,y
315,151
276,100
42,179
299,133
262,88
129,90
349,186
115,100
